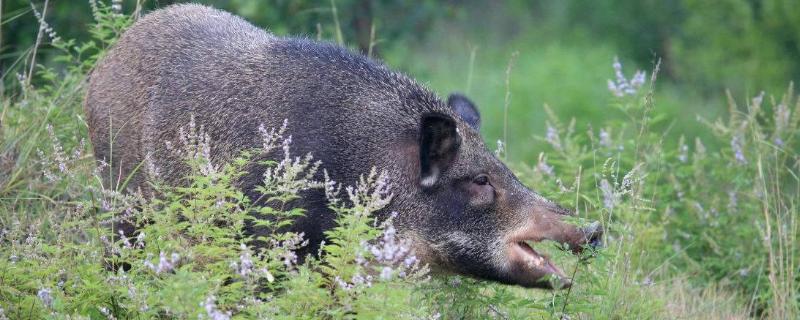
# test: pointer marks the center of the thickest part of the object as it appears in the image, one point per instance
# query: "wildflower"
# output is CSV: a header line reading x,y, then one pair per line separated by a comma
x,y
552,137
700,210
270,138
95,9
609,197
743,272
617,91
683,151
58,158
621,86
501,149
409,261
152,169
782,117
211,309
332,190
543,167
196,146
736,146
638,79
116,6
371,193
290,175
562,187
732,201
386,273
342,284
287,248
359,280
605,138
125,241
23,87
164,264
45,297
269,275
44,26
245,264
107,313
139,240
630,179
392,253
388,248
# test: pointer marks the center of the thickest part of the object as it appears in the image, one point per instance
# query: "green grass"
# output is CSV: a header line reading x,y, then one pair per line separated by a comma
x,y
696,229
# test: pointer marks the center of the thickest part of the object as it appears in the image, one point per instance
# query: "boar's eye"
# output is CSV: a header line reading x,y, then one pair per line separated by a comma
x,y
481,180
481,191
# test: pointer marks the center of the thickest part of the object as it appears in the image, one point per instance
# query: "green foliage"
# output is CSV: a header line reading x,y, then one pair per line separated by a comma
x,y
700,227
736,44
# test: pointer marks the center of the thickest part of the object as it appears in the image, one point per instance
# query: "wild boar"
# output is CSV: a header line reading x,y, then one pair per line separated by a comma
x,y
461,207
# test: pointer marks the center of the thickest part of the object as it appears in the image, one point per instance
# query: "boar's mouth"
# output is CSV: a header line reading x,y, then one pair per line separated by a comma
x,y
529,268
533,269
539,260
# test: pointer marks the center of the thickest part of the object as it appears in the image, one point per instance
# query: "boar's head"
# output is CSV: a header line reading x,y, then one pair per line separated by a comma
x,y
481,220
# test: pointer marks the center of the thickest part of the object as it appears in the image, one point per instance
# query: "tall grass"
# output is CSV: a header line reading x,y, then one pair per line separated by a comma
x,y
694,231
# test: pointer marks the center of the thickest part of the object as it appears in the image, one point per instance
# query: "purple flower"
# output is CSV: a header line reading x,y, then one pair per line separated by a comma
x,y
552,137
621,86
164,264
543,167
46,297
736,145
386,273
211,310
605,138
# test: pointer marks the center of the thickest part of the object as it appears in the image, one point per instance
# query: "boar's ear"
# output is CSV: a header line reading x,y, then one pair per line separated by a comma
x,y
438,145
466,109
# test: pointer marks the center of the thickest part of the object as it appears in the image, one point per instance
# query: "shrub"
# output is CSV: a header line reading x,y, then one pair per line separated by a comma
x,y
693,231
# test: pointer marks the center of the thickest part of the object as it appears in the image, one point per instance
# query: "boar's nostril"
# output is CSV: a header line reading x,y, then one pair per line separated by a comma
x,y
596,243
594,234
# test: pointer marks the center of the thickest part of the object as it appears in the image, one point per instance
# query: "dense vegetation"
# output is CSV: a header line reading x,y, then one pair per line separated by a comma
x,y
702,213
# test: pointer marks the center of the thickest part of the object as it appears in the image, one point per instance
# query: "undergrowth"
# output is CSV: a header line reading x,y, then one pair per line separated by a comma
x,y
692,232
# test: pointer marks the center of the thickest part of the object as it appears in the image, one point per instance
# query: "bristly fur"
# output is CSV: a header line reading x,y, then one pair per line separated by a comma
x,y
347,110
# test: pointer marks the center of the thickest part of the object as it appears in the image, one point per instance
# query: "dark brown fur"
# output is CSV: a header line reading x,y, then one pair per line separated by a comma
x,y
350,112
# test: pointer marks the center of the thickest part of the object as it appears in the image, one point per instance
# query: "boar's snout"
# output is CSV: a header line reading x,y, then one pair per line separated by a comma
x,y
594,235
530,268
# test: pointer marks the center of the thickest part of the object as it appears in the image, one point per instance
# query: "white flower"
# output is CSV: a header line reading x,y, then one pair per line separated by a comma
x,y
164,264
386,273
609,196
211,310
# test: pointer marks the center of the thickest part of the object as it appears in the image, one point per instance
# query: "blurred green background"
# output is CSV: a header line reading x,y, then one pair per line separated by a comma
x,y
565,50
